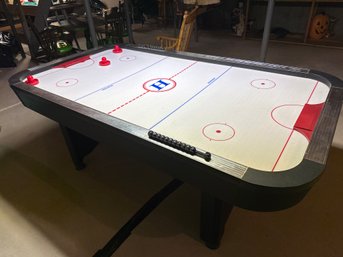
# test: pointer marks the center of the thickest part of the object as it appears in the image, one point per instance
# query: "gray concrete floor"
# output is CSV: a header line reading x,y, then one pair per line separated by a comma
x,y
49,209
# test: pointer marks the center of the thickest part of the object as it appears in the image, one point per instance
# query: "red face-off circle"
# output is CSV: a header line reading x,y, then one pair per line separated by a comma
x,y
127,58
67,82
218,132
263,83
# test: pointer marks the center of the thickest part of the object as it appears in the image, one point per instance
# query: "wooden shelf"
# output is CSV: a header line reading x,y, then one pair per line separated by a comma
x,y
8,28
300,38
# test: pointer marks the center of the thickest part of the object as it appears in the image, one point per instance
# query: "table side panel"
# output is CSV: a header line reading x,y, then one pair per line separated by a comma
x,y
189,169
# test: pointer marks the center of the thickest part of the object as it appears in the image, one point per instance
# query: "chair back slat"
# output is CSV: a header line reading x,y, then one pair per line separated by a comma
x,y
187,26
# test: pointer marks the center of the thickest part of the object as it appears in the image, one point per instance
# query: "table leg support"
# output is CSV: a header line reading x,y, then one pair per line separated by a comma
x,y
214,214
78,145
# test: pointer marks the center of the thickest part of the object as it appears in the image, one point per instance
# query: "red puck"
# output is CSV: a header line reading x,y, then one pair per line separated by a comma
x,y
117,49
104,62
30,80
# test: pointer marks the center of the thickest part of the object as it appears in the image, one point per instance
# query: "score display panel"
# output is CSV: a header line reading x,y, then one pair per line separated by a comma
x,y
253,134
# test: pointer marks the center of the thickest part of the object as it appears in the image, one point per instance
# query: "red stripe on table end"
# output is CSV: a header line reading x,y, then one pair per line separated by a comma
x,y
73,62
307,119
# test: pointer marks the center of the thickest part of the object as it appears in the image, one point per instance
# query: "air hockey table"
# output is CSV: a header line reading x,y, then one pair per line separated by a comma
x,y
247,134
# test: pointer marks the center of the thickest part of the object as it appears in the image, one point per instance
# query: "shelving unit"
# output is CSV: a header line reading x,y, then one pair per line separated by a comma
x,y
19,15
11,24
303,38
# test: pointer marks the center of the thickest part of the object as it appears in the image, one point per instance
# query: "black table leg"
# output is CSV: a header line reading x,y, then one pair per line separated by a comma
x,y
79,146
214,213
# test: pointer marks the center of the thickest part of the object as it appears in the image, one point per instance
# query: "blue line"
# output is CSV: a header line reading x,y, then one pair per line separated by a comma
x,y
112,84
211,80
209,84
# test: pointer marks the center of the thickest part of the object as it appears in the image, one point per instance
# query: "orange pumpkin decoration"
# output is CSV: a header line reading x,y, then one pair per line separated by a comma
x,y
319,26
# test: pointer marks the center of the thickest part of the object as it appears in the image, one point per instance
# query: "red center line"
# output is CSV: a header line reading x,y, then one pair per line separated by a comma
x,y
182,70
123,105
290,135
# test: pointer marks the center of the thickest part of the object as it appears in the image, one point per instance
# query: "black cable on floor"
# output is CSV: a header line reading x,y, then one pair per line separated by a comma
x,y
119,238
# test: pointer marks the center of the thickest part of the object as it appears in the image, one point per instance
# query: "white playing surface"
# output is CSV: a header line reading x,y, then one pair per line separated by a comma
x,y
243,115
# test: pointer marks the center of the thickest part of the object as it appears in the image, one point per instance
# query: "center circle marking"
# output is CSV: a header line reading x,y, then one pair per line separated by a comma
x,y
159,85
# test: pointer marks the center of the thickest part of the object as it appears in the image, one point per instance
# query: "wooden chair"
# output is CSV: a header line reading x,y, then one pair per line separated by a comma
x,y
181,43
